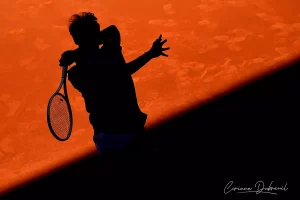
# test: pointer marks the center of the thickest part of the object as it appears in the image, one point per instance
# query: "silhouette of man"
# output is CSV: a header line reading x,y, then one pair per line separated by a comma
x,y
104,79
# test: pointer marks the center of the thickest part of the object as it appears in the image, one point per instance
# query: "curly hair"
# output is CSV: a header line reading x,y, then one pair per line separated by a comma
x,y
81,22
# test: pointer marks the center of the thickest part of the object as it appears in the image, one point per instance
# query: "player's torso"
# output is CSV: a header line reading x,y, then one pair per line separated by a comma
x,y
101,78
107,88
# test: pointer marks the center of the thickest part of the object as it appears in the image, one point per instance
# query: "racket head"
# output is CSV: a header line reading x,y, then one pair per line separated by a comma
x,y
59,117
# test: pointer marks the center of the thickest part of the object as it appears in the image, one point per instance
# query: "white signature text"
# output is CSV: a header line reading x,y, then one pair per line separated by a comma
x,y
258,188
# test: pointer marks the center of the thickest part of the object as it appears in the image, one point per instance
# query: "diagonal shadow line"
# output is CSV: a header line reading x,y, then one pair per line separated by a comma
x,y
249,134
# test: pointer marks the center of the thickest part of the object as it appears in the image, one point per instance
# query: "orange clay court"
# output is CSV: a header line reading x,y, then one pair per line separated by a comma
x,y
216,45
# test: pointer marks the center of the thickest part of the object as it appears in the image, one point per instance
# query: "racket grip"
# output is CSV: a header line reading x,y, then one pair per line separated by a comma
x,y
64,71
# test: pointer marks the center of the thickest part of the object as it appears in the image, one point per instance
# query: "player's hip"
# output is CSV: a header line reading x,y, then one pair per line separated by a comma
x,y
119,124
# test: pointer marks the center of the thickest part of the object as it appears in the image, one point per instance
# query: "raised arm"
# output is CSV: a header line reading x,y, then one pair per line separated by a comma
x,y
138,63
155,51
110,38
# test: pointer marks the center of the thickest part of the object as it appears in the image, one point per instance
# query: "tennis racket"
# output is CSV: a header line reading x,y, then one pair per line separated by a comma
x,y
59,113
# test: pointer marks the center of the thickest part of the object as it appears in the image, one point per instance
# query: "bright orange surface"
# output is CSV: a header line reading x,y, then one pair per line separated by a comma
x,y
215,45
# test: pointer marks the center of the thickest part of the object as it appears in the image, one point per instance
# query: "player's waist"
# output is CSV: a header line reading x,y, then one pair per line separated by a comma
x,y
119,122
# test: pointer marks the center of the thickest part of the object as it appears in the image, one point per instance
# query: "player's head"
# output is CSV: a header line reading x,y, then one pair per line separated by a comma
x,y
84,29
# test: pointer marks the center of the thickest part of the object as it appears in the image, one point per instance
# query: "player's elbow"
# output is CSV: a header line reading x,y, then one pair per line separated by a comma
x,y
113,28
115,34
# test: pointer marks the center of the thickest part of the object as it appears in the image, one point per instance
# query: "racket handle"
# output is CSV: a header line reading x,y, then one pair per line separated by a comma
x,y
64,71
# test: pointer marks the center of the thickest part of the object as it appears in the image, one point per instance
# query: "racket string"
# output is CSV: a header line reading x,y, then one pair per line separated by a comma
x,y
60,118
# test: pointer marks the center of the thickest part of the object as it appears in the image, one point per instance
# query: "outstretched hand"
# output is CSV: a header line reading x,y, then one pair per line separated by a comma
x,y
157,49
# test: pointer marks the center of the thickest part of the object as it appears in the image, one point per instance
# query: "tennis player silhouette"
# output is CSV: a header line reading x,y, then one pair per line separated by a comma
x,y
104,79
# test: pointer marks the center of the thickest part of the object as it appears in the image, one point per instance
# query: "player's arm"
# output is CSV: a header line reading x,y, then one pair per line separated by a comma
x,y
155,51
111,40
138,63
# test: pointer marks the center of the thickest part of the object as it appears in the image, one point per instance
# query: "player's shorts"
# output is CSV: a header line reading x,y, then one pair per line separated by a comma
x,y
118,144
107,142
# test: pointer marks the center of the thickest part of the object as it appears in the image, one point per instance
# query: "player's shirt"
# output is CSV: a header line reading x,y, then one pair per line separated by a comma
x,y
108,90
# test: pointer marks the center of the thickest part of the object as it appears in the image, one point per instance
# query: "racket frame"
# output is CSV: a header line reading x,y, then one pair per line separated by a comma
x,y
63,82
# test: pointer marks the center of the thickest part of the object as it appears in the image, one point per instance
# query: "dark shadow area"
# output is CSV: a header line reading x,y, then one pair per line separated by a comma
x,y
246,136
